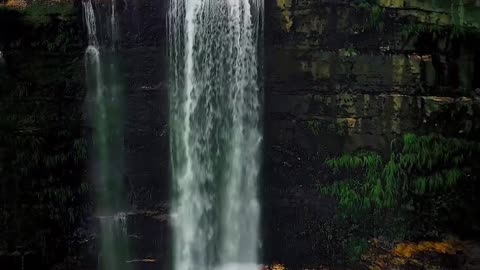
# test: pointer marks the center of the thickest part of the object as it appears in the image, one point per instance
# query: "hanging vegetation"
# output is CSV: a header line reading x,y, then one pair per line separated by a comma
x,y
424,164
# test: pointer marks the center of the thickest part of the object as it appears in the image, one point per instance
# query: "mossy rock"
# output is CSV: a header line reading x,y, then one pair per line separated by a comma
x,y
392,3
285,9
437,104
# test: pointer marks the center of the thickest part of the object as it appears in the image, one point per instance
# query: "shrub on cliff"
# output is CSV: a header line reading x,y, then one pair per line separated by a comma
x,y
426,185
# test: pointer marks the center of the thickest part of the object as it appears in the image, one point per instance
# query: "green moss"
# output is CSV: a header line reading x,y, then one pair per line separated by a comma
x,y
397,101
400,68
375,13
437,104
40,14
284,6
392,3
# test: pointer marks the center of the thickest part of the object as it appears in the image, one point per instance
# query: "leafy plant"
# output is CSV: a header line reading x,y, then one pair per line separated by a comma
x,y
458,27
314,126
426,164
411,194
375,13
355,248
419,183
348,52
376,17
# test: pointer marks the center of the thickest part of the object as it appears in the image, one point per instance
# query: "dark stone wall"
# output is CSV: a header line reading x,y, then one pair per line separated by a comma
x,y
143,52
343,76
44,127
332,71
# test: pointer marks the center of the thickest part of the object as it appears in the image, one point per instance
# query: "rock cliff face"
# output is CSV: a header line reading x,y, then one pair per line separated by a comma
x,y
47,196
343,76
339,76
365,73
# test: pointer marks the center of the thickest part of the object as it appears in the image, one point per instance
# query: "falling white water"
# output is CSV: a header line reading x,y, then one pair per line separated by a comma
x,y
92,53
115,223
113,24
215,102
105,109
90,22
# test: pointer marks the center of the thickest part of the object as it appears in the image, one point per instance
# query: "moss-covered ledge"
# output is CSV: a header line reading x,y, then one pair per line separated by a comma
x,y
53,26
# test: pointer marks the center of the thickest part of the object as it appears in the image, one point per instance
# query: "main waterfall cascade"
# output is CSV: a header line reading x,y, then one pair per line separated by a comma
x,y
215,115
104,103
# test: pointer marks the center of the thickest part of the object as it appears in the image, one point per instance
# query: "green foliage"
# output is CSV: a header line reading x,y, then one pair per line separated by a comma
x,y
376,17
365,4
59,17
355,248
412,194
375,13
40,25
314,126
426,164
41,13
418,28
415,29
348,52
458,27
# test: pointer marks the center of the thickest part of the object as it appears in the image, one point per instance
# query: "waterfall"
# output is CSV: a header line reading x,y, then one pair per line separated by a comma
x,y
104,100
215,114
90,22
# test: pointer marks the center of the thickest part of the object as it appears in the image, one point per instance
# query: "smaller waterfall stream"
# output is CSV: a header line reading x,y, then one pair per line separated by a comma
x,y
105,107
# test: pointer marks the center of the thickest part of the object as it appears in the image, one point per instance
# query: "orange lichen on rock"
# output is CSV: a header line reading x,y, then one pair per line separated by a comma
x,y
404,255
411,249
19,4
275,266
22,4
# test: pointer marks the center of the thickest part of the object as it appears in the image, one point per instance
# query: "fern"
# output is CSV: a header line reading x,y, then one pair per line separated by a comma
x,y
426,164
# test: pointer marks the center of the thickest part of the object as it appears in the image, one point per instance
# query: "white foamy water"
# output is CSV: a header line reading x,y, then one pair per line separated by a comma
x,y
239,266
90,22
215,103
